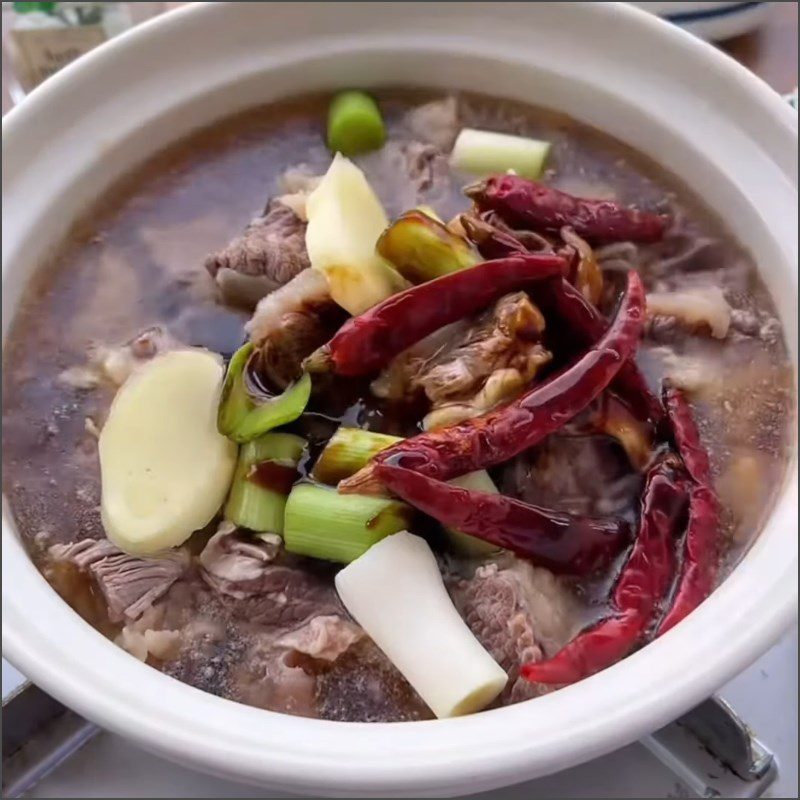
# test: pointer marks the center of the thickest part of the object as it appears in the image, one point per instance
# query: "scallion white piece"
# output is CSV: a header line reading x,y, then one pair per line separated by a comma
x,y
485,152
396,593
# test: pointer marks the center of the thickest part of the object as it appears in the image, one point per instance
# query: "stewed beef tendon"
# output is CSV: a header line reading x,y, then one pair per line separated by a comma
x,y
179,254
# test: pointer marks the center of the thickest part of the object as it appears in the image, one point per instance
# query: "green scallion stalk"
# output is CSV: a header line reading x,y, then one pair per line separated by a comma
x,y
235,401
464,543
266,468
321,523
347,451
280,447
423,248
243,417
355,124
279,410
429,211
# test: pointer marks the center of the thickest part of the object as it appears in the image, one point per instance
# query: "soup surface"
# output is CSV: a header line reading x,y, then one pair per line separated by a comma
x,y
280,638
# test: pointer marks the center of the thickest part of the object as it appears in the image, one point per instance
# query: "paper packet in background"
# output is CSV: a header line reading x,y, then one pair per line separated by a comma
x,y
42,37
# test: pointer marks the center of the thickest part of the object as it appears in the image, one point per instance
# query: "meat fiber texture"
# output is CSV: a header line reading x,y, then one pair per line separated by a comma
x,y
519,613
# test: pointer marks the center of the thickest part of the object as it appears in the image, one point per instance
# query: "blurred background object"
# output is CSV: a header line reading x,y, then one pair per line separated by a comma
x,y
40,38
46,36
712,21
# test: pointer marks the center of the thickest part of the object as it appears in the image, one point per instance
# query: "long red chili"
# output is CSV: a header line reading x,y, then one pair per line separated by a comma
x,y
701,548
686,436
700,558
642,583
366,343
590,651
561,542
542,208
501,434
585,322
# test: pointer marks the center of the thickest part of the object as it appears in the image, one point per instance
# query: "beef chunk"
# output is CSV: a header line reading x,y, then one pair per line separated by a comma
x,y
256,581
291,323
114,364
289,597
435,122
267,677
129,584
466,370
519,613
581,474
270,252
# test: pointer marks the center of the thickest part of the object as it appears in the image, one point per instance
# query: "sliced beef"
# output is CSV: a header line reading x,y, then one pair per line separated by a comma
x,y
519,613
290,596
235,564
255,580
129,584
468,370
323,638
270,252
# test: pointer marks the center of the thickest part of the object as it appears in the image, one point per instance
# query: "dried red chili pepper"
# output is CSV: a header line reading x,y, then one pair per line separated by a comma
x,y
587,324
366,343
561,298
529,204
592,650
686,436
562,542
642,583
701,547
501,434
698,572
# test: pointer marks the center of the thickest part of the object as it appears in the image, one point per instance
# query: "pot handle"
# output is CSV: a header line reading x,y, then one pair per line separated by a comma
x,y
714,753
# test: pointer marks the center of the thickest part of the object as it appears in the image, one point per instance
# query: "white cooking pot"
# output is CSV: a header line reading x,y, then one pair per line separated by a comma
x,y
694,110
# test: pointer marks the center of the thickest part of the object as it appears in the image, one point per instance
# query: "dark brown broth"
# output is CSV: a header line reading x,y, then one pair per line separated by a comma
x,y
136,258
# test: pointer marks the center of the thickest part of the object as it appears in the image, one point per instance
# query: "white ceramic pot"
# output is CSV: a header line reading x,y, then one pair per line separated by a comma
x,y
650,84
